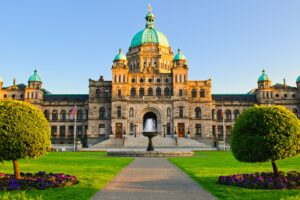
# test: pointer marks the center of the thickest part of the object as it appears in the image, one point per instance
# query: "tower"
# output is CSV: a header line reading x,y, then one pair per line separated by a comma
x,y
34,92
119,74
180,74
264,93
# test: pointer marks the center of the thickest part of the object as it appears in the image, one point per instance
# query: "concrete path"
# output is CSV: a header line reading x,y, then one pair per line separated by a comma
x,y
152,179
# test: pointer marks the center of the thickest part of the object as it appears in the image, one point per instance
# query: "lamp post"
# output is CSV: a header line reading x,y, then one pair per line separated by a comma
x,y
135,130
164,126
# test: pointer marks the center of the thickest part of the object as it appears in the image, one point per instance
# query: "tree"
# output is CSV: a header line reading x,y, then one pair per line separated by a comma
x,y
24,132
265,134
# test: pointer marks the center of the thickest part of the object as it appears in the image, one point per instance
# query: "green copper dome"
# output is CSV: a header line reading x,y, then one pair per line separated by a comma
x,y
179,56
35,77
120,56
263,77
149,34
298,79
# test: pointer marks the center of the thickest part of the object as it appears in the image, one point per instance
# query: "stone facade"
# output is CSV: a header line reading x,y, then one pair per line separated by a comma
x,y
150,81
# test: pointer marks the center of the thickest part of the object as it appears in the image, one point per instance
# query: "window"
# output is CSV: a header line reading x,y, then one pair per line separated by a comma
x,y
219,115
158,80
194,93
181,111
150,92
119,112
13,96
228,115
47,114
133,80
97,93
198,129
131,128
180,92
102,113
53,130
150,80
133,92
197,112
63,115
71,130
107,93
141,80
285,95
166,80
213,114
5,96
167,91
119,92
62,131
202,93
158,91
79,115
141,92
277,95
131,113
294,95
236,114
54,115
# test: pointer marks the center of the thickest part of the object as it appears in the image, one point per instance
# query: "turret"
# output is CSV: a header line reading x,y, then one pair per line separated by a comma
x,y
33,92
263,81
119,74
180,74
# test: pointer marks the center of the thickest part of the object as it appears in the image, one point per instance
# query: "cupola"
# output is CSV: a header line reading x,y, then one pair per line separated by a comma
x,y
179,56
35,77
120,56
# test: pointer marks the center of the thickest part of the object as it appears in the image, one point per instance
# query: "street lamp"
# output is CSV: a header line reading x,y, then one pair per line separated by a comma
x,y
164,126
135,130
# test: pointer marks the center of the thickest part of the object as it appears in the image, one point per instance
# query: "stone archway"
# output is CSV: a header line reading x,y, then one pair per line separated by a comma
x,y
149,115
156,113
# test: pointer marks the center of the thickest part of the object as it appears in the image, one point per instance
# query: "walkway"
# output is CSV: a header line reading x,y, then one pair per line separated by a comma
x,y
152,179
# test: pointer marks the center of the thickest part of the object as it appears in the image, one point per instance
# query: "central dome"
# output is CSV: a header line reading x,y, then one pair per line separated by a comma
x,y
149,34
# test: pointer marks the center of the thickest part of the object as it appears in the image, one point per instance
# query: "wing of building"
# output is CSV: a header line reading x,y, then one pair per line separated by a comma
x,y
150,81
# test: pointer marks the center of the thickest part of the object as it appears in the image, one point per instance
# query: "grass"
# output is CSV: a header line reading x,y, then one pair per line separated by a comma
x,y
206,167
93,170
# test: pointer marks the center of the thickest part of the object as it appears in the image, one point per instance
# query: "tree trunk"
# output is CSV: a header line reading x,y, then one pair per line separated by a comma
x,y
275,169
16,169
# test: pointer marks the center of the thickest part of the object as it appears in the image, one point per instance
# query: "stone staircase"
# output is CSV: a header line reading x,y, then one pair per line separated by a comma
x,y
110,143
142,141
190,143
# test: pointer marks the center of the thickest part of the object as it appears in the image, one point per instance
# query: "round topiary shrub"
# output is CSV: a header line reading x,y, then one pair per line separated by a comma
x,y
24,132
265,134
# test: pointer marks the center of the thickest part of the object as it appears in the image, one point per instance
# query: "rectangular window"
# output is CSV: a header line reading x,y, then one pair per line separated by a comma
x,y
198,129
119,92
181,111
119,112
180,92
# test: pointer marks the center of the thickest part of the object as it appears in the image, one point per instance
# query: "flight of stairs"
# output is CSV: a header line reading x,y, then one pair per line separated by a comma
x,y
110,143
142,141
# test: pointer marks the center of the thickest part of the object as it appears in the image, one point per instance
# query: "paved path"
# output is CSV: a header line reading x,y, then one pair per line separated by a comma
x,y
152,179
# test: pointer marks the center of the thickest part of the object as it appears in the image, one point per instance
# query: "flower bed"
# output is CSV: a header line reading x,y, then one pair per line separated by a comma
x,y
40,181
289,180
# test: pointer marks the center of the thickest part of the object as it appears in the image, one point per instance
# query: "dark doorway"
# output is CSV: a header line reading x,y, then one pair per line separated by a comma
x,y
119,130
181,129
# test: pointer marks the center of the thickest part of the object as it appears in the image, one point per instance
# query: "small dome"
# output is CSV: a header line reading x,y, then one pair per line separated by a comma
x,y
263,77
179,56
120,56
298,79
35,77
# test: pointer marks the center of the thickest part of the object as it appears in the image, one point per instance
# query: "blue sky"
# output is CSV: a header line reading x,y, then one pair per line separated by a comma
x,y
228,41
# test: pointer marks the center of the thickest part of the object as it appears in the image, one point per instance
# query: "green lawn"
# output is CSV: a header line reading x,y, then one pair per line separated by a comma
x,y
93,170
206,167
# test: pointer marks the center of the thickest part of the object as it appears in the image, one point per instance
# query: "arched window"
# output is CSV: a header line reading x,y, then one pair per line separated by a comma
x,y
141,92
107,93
133,92
150,92
197,112
158,91
236,114
167,91
168,112
194,93
228,115
79,115
202,93
219,115
97,93
47,114
54,115
101,113
63,115
131,113
213,114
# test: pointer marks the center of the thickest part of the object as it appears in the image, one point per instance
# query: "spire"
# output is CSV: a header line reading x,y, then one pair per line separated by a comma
x,y
149,18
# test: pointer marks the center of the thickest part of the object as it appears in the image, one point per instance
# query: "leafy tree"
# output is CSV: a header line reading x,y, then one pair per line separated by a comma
x,y
24,132
265,134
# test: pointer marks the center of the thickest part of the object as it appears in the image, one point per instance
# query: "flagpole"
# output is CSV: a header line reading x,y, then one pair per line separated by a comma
x,y
223,124
75,118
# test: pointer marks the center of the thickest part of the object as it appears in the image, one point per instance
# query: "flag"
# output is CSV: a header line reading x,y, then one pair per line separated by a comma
x,y
73,113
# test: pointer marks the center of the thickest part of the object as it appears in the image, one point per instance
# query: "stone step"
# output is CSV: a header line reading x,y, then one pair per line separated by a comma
x,y
190,143
142,141
109,143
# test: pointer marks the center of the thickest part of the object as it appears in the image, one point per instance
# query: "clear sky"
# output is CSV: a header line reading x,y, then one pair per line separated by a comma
x,y
229,41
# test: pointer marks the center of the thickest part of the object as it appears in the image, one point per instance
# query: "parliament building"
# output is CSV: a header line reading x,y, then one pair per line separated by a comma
x,y
149,81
